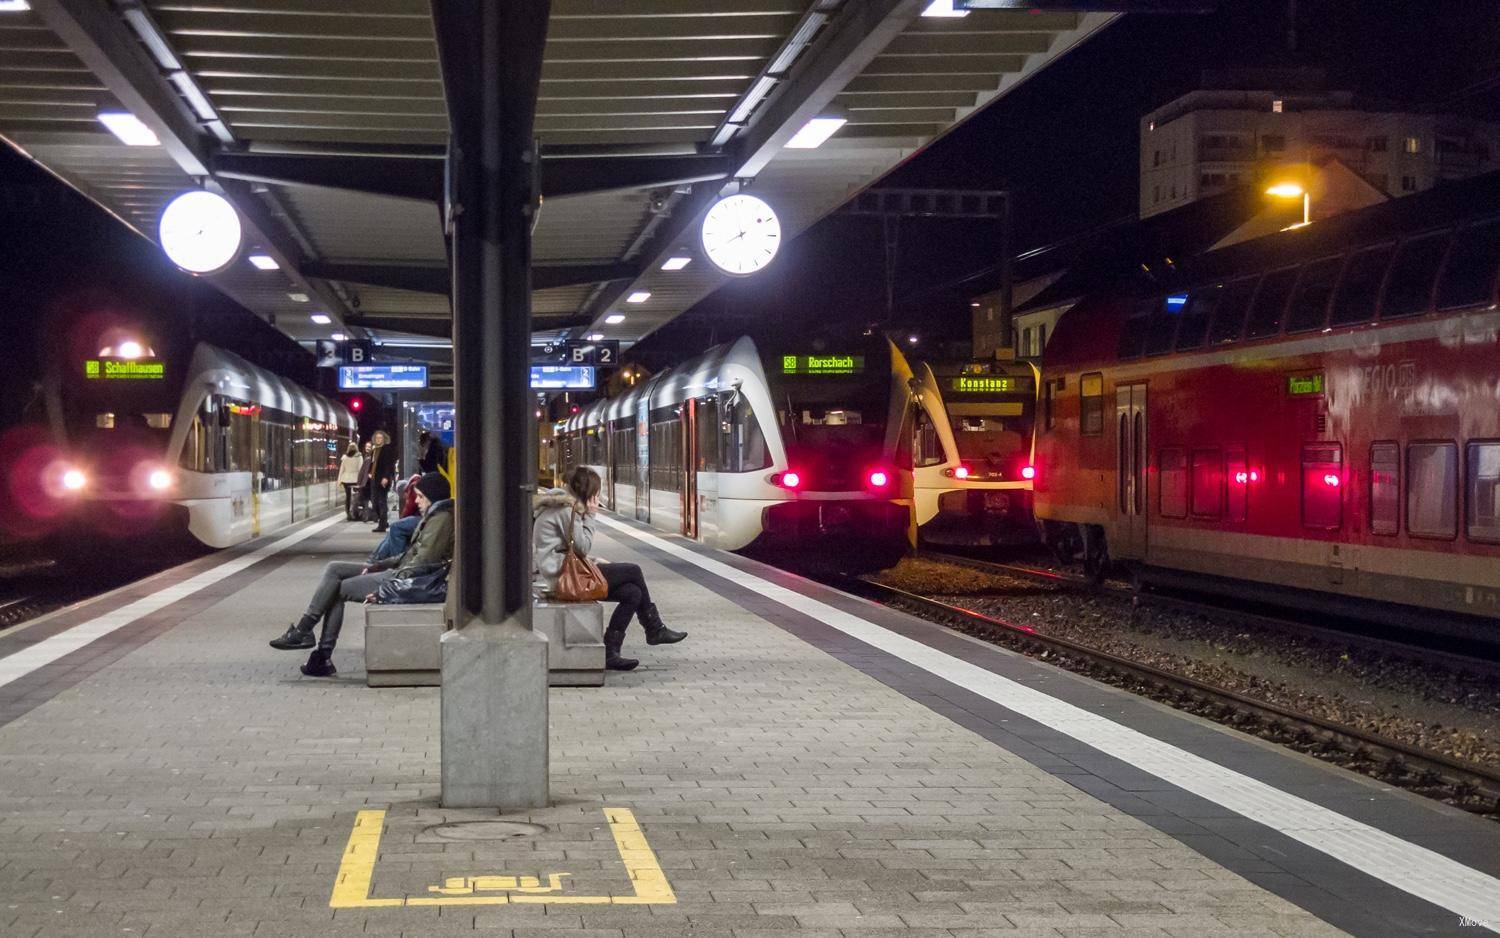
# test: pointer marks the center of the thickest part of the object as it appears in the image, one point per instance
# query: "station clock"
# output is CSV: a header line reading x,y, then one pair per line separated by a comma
x,y
200,231
741,234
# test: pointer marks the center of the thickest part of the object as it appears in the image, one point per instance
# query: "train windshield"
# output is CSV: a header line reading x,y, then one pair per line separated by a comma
x,y
993,416
832,412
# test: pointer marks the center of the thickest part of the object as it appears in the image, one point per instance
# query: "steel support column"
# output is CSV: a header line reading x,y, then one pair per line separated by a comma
x,y
494,708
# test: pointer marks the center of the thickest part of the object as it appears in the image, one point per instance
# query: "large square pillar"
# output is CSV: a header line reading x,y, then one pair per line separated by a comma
x,y
494,696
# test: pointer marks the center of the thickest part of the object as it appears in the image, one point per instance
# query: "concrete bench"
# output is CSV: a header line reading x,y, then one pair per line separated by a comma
x,y
402,644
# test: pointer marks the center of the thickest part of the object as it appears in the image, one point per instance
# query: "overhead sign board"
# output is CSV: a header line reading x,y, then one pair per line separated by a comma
x,y
134,369
988,384
382,377
822,364
605,353
356,351
562,377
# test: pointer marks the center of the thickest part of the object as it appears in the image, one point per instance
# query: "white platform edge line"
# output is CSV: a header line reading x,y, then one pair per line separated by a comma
x,y
1414,869
27,660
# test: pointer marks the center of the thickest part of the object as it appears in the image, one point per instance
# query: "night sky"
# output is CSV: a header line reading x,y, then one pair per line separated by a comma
x,y
1066,144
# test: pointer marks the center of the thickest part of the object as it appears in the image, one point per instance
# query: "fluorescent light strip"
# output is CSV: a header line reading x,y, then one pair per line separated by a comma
x,y
264,262
676,263
815,133
320,319
943,8
129,129
614,319
14,6
639,296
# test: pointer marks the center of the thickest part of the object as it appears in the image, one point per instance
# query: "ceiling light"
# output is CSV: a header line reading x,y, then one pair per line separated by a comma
x,y
264,261
596,336
338,337
639,296
14,6
943,8
297,297
320,319
614,319
129,129
816,132
676,263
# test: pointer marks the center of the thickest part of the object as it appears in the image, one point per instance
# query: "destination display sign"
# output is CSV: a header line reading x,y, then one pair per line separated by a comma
x,y
988,384
822,364
136,369
562,377
382,377
1305,385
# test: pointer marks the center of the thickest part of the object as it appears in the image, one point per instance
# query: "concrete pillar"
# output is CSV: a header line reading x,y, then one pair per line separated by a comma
x,y
494,697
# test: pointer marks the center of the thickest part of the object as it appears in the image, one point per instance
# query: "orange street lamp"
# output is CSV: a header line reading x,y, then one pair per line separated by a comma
x,y
1291,190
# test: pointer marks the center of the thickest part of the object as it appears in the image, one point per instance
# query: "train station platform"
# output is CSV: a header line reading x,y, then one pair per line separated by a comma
x,y
804,763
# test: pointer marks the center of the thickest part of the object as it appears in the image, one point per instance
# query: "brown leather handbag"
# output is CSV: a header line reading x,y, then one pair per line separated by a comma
x,y
580,581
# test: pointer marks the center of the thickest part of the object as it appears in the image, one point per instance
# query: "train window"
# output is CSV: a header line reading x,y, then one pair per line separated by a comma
x,y
1046,405
1432,490
1236,485
1133,330
1091,404
1270,303
927,449
1408,291
1174,482
744,443
1469,275
1309,306
1323,486
1483,520
1208,483
1360,287
708,434
1385,487
1229,312
1163,326
1192,325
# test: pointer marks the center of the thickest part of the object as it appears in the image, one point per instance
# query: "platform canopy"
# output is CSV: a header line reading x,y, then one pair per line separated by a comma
x,y
324,122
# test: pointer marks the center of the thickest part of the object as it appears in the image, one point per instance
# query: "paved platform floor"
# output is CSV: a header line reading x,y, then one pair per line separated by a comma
x,y
181,778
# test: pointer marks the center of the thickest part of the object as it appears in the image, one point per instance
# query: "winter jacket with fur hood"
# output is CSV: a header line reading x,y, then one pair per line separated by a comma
x,y
552,512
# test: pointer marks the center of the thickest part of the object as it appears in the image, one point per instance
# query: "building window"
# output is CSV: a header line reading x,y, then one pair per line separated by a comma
x,y
1375,144
1273,143
1483,523
1277,106
1091,404
1432,490
1385,488
1322,486
1408,183
1381,181
1174,482
1174,190
1156,197
1413,145
1156,159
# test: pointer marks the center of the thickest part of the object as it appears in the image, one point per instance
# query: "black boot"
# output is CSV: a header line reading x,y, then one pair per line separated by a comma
x,y
298,635
320,664
612,660
657,632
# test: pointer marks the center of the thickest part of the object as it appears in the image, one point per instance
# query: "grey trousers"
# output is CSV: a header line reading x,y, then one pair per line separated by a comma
x,y
342,582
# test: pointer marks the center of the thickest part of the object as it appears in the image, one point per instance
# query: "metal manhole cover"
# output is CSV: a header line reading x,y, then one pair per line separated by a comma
x,y
486,830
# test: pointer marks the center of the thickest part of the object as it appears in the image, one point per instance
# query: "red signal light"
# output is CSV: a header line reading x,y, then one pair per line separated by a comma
x,y
790,480
879,479
1331,480
356,404
1028,472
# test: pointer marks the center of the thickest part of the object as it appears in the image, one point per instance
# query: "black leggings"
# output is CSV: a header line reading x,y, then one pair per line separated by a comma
x,y
348,499
628,588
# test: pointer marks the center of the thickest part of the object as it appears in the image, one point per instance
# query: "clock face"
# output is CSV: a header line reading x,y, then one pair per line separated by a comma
x,y
200,231
741,234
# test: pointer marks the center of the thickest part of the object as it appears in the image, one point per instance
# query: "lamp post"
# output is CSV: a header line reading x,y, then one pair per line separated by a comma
x,y
1291,190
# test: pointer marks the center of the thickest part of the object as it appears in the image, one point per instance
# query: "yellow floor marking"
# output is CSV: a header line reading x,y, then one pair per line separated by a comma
x,y
351,889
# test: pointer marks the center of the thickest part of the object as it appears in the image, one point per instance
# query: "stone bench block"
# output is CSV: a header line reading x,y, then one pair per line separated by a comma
x,y
575,642
402,645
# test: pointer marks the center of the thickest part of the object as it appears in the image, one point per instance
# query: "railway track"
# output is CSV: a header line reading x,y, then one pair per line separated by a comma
x,y
1414,643
1470,787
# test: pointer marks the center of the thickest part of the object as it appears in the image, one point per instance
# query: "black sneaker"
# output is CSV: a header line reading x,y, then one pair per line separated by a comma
x,y
293,639
320,664
617,663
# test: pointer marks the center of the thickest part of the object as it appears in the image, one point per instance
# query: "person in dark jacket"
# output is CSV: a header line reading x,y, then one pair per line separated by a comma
x,y
362,484
431,456
382,473
344,581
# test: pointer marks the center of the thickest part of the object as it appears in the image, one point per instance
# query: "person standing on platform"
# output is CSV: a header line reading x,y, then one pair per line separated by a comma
x,y
362,485
561,511
382,471
431,456
345,581
349,468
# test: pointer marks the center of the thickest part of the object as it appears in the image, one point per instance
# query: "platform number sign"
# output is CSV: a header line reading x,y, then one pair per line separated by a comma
x,y
603,354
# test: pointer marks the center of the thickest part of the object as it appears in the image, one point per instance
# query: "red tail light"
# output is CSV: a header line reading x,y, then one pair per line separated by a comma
x,y
960,472
787,480
1028,472
879,479
1331,480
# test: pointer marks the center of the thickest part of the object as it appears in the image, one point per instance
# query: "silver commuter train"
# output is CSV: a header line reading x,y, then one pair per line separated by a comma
x,y
738,448
235,448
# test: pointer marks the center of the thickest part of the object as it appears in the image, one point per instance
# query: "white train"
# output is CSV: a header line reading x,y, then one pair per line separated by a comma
x,y
806,448
205,442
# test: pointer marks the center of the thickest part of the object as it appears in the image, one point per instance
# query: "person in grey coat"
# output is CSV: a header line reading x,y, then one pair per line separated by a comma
x,y
554,513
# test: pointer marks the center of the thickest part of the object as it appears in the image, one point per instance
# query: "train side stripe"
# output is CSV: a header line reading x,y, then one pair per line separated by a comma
x,y
49,650
1423,873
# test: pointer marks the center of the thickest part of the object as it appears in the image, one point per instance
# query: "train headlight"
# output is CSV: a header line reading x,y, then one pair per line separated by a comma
x,y
1028,472
159,480
787,480
957,472
73,480
879,479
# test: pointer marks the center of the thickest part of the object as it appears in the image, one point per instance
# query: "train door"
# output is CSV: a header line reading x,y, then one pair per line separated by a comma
x,y
608,432
689,450
1131,459
643,458
254,468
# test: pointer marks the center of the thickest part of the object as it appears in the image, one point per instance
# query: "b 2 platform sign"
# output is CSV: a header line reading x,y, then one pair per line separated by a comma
x,y
356,352
602,354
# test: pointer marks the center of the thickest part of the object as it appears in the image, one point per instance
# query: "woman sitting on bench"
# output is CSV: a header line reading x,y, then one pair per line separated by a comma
x,y
558,509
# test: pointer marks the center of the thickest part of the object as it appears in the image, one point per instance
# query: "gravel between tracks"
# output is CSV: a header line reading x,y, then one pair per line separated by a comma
x,y
1401,697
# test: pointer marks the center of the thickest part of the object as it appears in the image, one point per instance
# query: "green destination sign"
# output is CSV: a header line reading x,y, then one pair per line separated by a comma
x,y
1305,385
822,364
106,370
988,384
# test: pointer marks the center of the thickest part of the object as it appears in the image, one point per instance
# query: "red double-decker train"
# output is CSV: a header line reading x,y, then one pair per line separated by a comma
x,y
1309,417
